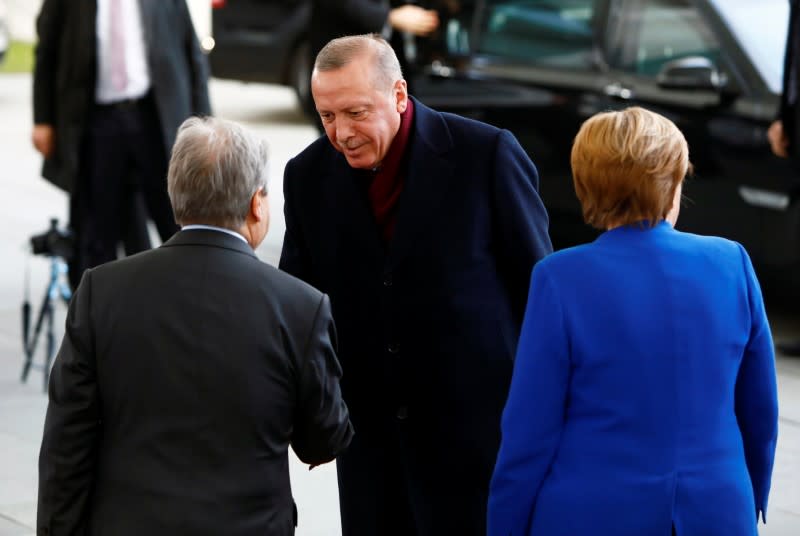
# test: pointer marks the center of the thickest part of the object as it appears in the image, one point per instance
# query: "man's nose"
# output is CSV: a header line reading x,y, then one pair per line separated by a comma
x,y
344,129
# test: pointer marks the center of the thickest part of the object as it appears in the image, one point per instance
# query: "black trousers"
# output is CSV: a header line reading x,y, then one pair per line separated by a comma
x,y
373,495
390,486
122,181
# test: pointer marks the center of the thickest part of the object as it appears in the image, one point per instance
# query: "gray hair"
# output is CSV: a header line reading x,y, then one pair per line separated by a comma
x,y
343,50
215,169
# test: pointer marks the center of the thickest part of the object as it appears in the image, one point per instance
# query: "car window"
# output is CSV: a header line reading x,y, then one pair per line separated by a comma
x,y
764,42
662,31
555,33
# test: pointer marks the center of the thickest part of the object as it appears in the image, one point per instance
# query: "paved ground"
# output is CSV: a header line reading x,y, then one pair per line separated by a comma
x,y
28,202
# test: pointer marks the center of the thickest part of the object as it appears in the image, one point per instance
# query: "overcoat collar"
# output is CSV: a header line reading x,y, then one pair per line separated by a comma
x,y
429,176
146,8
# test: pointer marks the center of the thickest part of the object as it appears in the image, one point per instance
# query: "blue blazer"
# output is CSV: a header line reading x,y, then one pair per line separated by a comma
x,y
643,394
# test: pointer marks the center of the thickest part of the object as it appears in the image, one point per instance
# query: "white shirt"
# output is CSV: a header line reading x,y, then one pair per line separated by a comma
x,y
138,74
195,226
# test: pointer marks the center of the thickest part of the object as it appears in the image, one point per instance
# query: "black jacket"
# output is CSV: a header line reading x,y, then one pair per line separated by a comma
x,y
336,18
789,112
184,375
65,74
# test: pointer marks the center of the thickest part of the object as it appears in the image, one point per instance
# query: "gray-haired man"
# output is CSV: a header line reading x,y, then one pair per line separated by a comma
x,y
186,371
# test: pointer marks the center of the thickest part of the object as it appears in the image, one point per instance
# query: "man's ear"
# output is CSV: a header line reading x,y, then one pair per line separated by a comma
x,y
256,201
401,94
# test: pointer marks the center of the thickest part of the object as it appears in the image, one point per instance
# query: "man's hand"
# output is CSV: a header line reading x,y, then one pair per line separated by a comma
x,y
778,140
44,139
414,19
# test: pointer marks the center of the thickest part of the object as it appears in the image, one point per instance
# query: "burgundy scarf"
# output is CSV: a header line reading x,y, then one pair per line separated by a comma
x,y
387,183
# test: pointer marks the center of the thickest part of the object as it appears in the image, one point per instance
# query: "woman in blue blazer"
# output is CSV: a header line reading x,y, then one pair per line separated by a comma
x,y
643,400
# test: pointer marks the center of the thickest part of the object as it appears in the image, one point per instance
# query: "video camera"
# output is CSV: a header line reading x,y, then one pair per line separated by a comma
x,y
59,246
54,242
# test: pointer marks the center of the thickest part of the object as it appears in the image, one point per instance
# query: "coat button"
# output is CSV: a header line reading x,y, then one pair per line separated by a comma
x,y
387,280
402,413
393,347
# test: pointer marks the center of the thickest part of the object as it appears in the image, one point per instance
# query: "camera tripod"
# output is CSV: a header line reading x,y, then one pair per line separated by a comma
x,y
58,287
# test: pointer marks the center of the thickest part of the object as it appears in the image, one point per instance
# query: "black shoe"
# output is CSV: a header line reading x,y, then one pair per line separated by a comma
x,y
789,348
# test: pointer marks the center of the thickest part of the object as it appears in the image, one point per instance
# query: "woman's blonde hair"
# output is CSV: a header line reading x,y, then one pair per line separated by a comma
x,y
626,166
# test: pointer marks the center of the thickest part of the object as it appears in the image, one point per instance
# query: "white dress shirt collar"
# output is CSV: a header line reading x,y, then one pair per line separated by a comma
x,y
196,226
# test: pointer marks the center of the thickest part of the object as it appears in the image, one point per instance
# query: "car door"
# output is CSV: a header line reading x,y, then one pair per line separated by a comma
x,y
529,66
724,120
254,39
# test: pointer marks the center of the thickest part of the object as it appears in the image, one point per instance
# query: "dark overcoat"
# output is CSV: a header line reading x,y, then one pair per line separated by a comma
x,y
65,74
428,324
789,110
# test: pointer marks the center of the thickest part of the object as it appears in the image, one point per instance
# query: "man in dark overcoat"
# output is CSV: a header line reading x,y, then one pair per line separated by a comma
x,y
112,82
399,21
423,227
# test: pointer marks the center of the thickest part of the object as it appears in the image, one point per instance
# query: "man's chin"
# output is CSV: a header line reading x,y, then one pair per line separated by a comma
x,y
356,162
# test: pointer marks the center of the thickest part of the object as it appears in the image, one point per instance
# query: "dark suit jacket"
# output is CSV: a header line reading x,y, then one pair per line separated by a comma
x,y
184,375
789,111
428,326
65,74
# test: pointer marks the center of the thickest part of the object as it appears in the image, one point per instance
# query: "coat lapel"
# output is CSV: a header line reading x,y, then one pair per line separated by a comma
x,y
352,231
146,12
88,21
428,178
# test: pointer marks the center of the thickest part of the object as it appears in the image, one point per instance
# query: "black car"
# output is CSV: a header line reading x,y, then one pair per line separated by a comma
x,y
261,41
541,67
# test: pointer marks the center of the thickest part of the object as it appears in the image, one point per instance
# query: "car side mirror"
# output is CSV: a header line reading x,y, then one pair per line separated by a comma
x,y
692,72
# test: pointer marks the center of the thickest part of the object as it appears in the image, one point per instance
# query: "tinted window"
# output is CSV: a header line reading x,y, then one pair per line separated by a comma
x,y
760,27
665,30
548,32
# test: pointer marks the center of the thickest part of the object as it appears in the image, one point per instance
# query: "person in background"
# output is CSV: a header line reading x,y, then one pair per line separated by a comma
x,y
400,22
423,227
331,19
643,399
187,371
784,133
113,80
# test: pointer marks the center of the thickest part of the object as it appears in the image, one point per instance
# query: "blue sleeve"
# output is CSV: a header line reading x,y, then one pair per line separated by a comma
x,y
520,216
757,396
534,413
